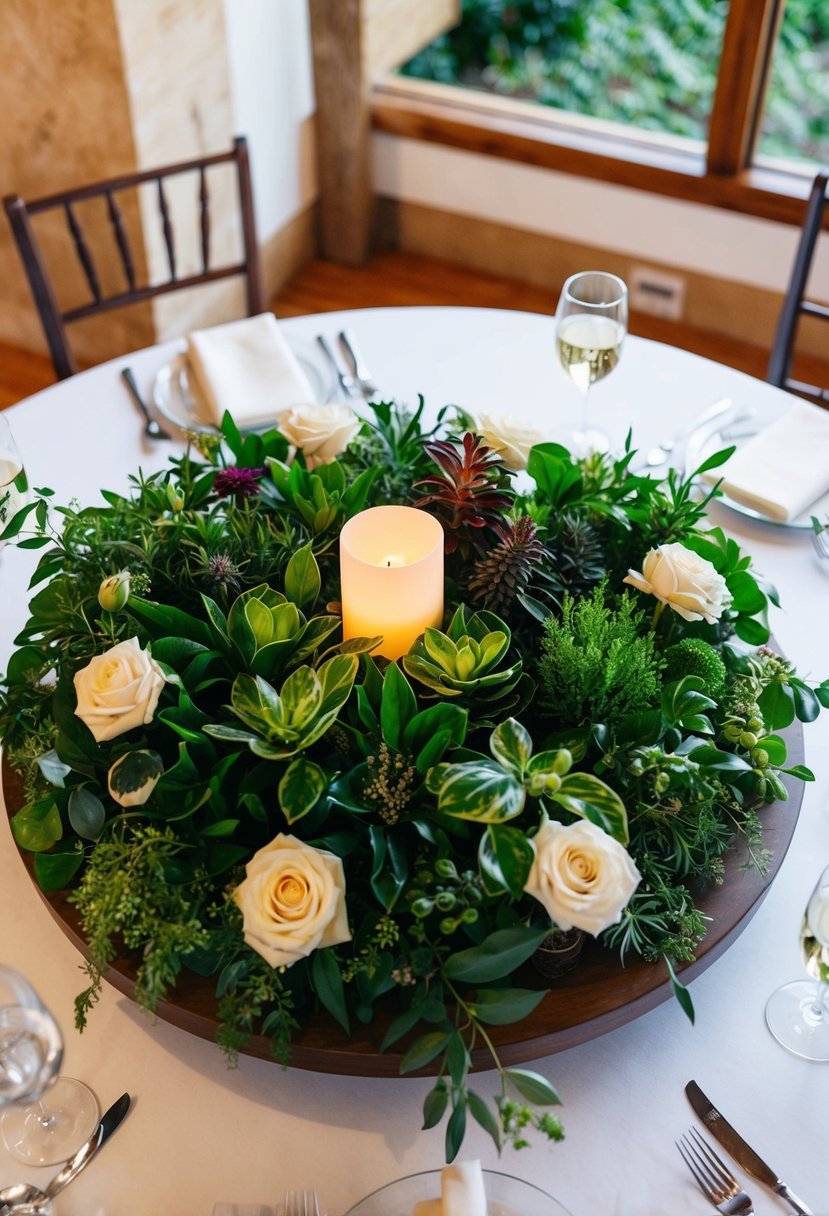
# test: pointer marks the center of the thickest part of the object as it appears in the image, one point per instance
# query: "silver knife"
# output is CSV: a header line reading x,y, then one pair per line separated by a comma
x,y
362,375
742,1153
347,383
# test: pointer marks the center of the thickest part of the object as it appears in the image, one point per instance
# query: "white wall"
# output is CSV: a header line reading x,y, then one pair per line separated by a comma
x,y
708,240
269,50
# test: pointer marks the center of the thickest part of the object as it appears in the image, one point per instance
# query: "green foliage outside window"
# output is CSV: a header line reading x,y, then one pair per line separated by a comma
x,y
647,63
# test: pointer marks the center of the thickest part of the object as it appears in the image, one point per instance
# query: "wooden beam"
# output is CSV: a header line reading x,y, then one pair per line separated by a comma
x,y
355,42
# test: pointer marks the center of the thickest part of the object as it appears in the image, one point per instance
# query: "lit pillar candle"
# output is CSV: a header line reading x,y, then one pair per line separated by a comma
x,y
391,576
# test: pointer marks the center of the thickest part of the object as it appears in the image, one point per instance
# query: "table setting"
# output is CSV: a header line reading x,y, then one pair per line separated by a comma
x,y
432,775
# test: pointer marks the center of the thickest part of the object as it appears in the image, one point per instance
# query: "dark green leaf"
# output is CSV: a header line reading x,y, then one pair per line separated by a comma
x,y
328,985
397,707
501,1006
457,1059
806,703
86,813
681,993
533,1087
456,1128
483,1115
434,1105
776,703
775,749
55,869
424,1050
498,955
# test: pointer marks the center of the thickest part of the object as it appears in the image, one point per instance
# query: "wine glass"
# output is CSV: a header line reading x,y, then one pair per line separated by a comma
x,y
591,323
798,1014
46,1117
14,485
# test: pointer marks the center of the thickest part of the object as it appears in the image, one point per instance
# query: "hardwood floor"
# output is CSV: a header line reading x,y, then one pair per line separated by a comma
x,y
396,278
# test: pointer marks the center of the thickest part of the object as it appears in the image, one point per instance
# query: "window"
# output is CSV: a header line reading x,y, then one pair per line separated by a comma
x,y
795,123
723,102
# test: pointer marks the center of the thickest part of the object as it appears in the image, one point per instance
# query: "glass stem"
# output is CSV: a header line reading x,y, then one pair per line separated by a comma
x,y
584,413
818,1009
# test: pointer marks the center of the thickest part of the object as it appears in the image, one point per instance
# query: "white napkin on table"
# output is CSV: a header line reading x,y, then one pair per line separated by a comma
x,y
247,368
461,1192
784,468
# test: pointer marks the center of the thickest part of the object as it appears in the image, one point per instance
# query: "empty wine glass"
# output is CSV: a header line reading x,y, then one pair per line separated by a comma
x,y
46,1117
591,323
14,485
798,1014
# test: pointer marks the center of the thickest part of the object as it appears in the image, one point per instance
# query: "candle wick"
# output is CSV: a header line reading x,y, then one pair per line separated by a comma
x,y
388,563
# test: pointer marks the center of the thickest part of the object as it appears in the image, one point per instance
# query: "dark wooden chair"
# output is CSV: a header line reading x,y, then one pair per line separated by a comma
x,y
55,319
795,303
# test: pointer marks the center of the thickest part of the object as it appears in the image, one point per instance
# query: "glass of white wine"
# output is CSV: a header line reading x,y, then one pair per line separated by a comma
x,y
591,323
46,1117
14,484
798,1013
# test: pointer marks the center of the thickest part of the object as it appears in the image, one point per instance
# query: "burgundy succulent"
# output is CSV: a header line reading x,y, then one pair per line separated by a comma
x,y
471,493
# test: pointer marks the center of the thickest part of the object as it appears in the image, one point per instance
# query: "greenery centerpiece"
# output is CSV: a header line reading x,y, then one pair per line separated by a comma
x,y
227,786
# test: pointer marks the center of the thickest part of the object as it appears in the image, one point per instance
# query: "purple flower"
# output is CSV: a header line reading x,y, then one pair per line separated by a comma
x,y
242,482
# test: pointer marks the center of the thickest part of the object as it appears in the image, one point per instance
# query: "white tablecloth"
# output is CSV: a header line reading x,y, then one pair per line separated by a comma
x,y
201,1133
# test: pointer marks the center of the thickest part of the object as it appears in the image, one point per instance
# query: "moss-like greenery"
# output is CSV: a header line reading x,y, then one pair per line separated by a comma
x,y
598,664
694,657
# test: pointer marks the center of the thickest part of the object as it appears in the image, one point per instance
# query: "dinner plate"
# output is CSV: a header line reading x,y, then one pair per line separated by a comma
x,y
717,440
176,395
506,1196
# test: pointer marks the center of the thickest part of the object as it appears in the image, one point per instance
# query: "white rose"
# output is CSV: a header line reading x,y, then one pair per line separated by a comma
x,y
292,901
582,876
681,578
321,432
509,437
118,690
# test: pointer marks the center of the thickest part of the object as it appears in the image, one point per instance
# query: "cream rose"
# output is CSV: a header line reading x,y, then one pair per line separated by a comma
x,y
321,432
292,901
118,690
681,578
582,876
509,437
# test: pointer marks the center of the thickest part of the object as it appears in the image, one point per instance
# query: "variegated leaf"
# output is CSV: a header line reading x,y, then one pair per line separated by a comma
x,y
482,791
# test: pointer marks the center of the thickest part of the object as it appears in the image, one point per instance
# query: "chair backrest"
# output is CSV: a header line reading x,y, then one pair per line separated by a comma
x,y
795,303
54,319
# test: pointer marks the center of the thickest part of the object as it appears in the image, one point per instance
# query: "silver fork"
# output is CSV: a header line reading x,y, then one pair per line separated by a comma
x,y
301,1203
713,1177
821,542
151,426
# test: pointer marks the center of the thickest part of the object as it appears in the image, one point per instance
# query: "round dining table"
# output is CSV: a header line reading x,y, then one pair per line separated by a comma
x,y
201,1133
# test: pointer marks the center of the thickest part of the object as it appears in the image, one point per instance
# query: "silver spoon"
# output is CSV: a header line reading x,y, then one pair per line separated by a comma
x,y
23,1198
659,454
152,427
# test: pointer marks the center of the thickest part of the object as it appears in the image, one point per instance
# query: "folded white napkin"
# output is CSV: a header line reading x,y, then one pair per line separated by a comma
x,y
461,1192
247,368
784,468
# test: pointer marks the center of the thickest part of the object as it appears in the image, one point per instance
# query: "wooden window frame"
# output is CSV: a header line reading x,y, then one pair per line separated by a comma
x,y
720,174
